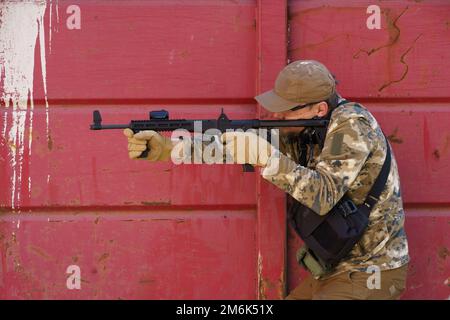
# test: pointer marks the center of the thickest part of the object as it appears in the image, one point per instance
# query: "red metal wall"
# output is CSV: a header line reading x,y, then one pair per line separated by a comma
x,y
400,73
136,230
70,196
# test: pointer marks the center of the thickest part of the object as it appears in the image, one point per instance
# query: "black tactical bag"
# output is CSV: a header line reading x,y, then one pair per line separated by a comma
x,y
332,236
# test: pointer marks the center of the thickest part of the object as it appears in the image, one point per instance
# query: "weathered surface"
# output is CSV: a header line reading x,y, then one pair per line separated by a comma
x,y
399,74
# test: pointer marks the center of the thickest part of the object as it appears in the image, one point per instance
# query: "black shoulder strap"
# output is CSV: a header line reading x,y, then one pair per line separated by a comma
x,y
342,102
379,184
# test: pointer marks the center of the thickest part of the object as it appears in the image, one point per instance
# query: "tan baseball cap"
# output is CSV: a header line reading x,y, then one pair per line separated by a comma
x,y
300,82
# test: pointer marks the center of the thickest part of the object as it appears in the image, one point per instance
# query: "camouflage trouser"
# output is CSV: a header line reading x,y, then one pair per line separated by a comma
x,y
352,285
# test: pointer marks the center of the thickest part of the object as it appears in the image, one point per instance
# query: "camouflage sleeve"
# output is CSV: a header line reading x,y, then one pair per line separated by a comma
x,y
346,148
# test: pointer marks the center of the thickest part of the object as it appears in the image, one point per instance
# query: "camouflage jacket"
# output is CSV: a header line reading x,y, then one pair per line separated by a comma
x,y
350,161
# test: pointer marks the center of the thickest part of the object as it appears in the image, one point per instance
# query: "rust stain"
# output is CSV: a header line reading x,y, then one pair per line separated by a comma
x,y
262,290
265,285
18,268
294,15
13,237
238,25
39,252
11,145
146,281
313,45
402,60
446,145
184,54
49,142
282,285
436,154
443,252
394,31
320,9
75,202
176,220
97,220
155,203
261,283
394,138
103,257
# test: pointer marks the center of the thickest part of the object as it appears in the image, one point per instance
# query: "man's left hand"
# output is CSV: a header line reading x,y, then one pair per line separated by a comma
x,y
247,147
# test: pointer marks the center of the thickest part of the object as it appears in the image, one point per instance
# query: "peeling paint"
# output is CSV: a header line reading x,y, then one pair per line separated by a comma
x,y
51,27
22,25
261,284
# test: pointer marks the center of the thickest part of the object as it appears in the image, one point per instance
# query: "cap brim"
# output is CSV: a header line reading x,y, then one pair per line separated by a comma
x,y
274,103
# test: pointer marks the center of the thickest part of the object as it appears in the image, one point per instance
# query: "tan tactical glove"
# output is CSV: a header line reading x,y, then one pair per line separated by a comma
x,y
160,147
257,151
247,147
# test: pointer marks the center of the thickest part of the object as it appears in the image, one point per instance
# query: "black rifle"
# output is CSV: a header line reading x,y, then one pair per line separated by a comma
x,y
159,121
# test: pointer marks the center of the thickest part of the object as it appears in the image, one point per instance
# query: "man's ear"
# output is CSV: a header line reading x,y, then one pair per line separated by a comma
x,y
322,109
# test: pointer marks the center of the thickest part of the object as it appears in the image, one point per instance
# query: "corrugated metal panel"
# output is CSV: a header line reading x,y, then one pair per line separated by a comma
x,y
71,196
127,254
400,73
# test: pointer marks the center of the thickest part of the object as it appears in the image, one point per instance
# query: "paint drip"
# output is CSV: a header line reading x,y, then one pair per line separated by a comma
x,y
21,27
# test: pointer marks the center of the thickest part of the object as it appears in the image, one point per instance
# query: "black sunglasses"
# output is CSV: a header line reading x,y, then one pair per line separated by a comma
x,y
303,106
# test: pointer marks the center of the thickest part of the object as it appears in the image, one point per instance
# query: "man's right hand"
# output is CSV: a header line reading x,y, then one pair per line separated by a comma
x,y
160,147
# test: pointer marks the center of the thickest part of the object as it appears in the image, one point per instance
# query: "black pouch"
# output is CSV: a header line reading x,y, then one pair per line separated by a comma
x,y
331,237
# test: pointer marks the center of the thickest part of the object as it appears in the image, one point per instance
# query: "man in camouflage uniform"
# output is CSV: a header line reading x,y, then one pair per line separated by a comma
x,y
353,153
